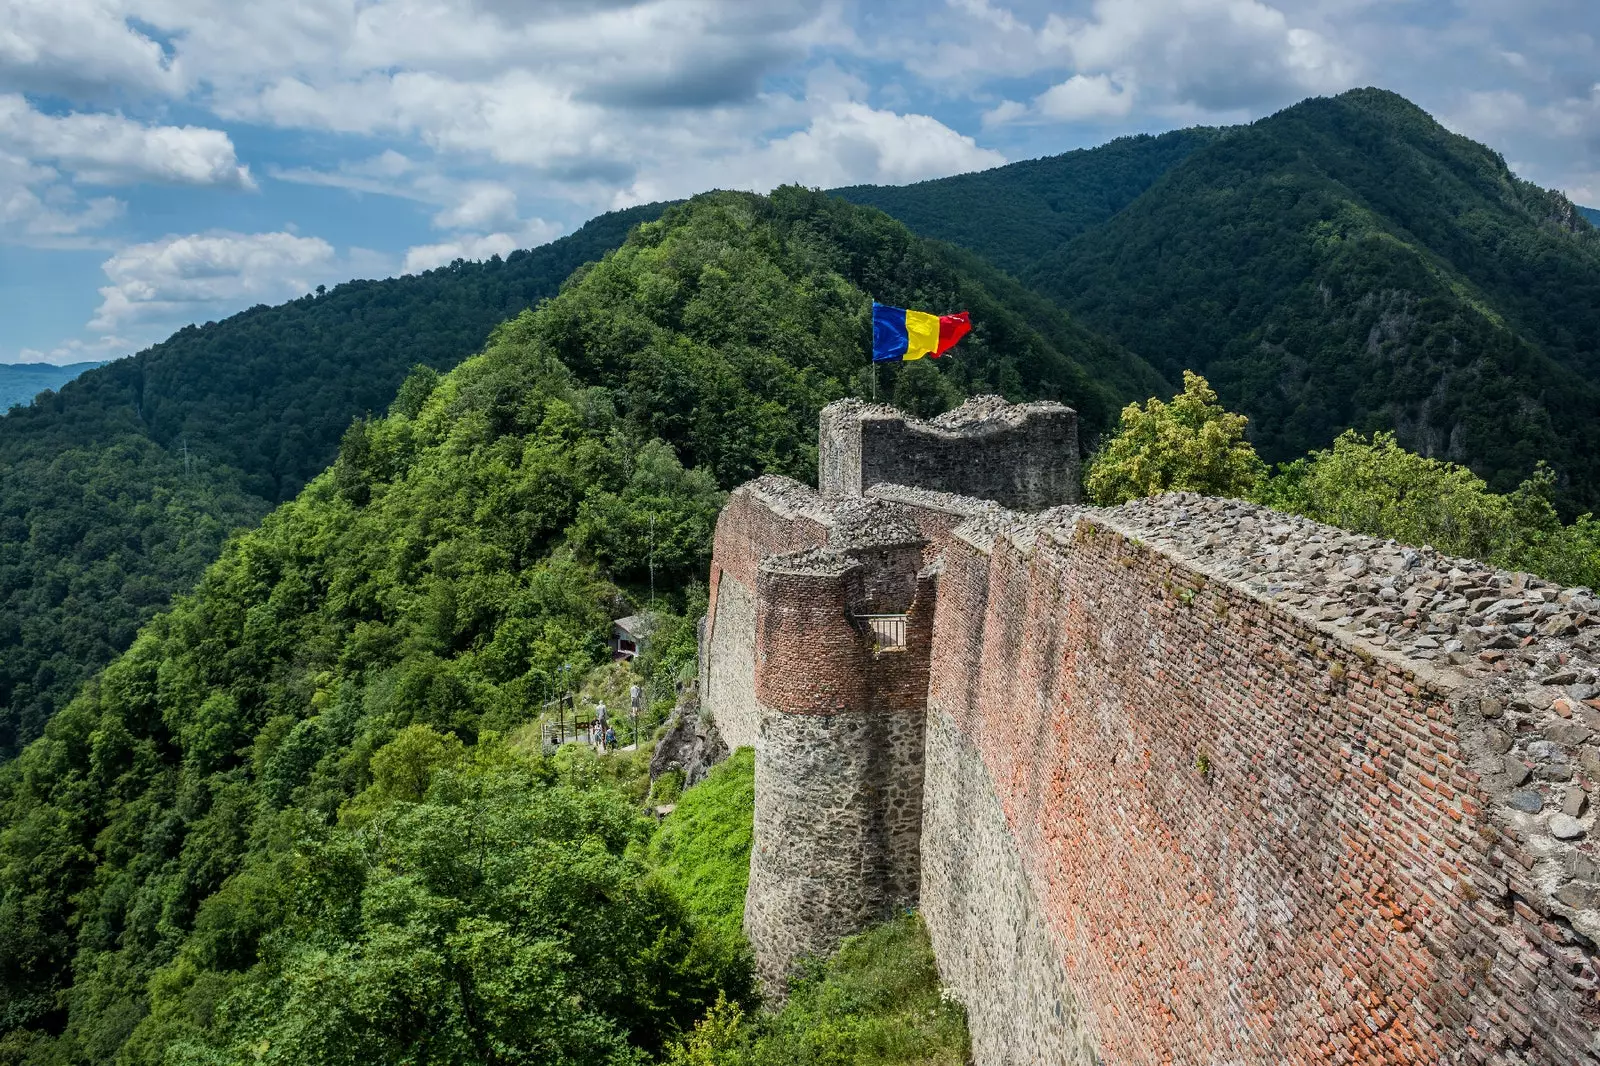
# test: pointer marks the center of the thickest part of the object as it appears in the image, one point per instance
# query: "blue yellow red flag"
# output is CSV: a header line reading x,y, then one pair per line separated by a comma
x,y
901,334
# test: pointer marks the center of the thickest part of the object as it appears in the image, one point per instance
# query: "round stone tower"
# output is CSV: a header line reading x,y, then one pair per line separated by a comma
x,y
842,643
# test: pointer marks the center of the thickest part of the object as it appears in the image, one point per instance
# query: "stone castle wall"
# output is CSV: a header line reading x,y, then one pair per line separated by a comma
x,y
1023,456
1185,781
1242,836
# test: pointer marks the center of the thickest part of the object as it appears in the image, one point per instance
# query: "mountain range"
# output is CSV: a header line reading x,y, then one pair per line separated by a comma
x,y
117,490
21,382
281,596
1347,262
1344,263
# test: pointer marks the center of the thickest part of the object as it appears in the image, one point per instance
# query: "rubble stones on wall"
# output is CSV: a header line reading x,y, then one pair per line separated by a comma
x,y
994,948
1023,456
838,823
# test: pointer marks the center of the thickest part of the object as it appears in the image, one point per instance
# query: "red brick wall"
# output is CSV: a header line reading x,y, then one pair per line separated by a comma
x,y
1251,843
811,658
747,531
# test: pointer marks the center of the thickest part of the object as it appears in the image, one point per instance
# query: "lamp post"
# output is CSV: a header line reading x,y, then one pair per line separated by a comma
x,y
561,707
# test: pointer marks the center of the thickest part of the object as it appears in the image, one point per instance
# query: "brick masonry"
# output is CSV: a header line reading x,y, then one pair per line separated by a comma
x,y
1185,781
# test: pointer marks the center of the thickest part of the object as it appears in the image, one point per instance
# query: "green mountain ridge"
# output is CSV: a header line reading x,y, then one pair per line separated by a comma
x,y
1346,262
117,490
1018,213
253,837
1592,214
21,382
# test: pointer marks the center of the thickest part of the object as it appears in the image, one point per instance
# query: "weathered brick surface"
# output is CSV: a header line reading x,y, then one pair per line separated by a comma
x,y
995,949
1252,841
769,516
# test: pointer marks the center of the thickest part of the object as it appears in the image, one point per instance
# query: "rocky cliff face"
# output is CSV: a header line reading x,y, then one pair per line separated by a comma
x,y
691,745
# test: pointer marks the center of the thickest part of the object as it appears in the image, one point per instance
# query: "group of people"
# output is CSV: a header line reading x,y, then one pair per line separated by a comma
x,y
602,736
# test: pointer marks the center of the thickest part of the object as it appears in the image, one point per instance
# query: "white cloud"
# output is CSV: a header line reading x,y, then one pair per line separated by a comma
x,y
1081,96
78,350
37,208
107,149
200,274
481,205
1205,57
846,142
81,47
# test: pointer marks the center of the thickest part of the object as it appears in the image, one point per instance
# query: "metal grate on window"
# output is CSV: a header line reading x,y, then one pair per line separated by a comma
x,y
888,630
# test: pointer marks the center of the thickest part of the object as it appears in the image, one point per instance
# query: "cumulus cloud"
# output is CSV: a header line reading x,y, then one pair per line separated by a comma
x,y
37,208
193,276
1093,96
105,149
480,205
845,142
80,48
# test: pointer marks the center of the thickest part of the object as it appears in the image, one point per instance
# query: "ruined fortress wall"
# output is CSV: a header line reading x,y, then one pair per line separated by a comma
x,y
839,761
753,524
1168,821
1022,456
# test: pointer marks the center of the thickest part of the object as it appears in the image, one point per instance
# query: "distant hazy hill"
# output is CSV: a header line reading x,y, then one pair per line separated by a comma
x,y
1592,214
116,491
1346,262
21,382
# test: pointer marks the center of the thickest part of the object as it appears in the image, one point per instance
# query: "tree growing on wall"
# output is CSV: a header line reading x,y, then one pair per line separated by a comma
x,y
1191,444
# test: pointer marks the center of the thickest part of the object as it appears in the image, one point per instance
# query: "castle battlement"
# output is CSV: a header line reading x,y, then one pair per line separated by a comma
x,y
1023,456
1183,780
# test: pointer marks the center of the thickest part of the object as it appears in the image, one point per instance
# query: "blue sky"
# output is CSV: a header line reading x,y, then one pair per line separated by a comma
x,y
169,161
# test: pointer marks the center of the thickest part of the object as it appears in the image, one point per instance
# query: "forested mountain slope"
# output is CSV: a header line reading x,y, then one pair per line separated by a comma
x,y
116,491
249,840
1345,262
1592,214
21,382
1016,214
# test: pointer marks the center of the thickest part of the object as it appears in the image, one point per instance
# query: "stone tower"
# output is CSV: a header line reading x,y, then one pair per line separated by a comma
x,y
818,641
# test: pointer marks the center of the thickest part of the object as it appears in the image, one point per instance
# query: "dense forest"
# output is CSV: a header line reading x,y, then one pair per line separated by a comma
x,y
297,819
21,382
1346,263
116,491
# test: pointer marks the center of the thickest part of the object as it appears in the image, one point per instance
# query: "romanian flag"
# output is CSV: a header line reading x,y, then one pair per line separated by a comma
x,y
901,334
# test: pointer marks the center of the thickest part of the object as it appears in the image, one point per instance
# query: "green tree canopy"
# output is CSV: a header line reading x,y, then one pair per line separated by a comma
x,y
1191,444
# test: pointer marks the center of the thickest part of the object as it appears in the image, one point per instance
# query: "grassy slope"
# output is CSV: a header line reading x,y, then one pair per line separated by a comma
x,y
703,848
